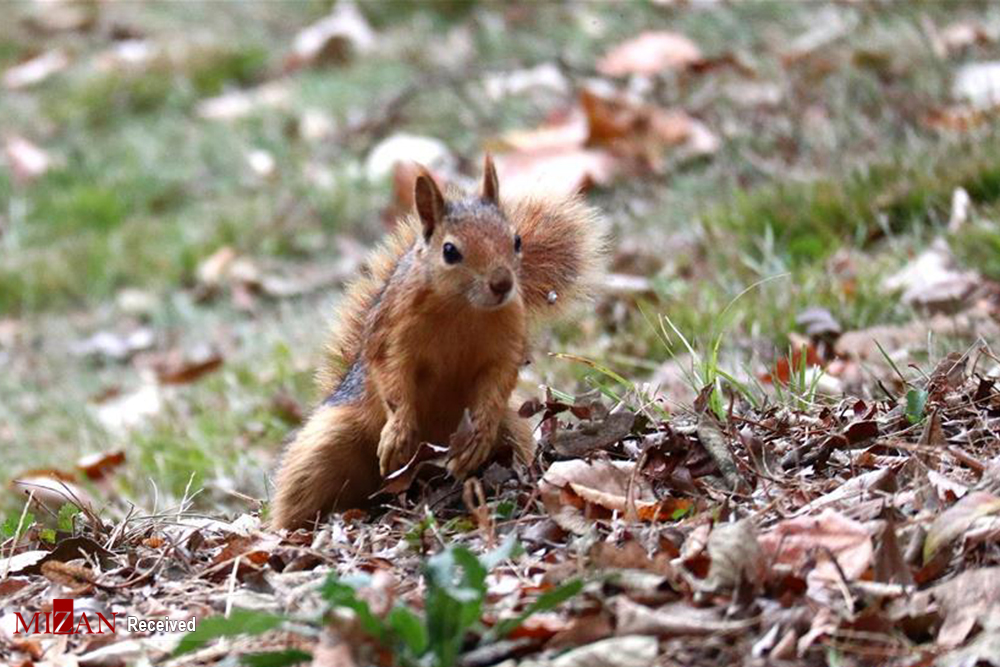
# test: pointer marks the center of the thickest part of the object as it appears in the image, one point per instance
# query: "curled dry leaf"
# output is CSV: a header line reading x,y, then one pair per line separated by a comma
x,y
650,53
954,522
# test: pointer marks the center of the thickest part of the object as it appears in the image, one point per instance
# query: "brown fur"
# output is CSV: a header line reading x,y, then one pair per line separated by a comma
x,y
418,341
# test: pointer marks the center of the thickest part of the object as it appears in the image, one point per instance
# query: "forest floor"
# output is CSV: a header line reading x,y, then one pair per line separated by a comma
x,y
774,439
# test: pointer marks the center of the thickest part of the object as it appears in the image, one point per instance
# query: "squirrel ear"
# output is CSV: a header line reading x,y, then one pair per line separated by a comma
x,y
491,186
429,201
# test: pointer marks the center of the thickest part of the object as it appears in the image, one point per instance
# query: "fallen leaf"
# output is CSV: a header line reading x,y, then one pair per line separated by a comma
x,y
627,651
677,619
650,53
545,76
806,542
129,411
955,521
36,70
429,152
100,464
597,435
26,160
334,39
115,346
242,103
185,366
978,84
735,556
53,488
555,172
569,487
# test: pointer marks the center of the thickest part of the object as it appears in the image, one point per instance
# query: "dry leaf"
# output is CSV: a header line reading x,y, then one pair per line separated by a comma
x,y
650,53
953,523
100,464
334,39
26,160
182,367
428,152
735,556
555,172
36,70
812,539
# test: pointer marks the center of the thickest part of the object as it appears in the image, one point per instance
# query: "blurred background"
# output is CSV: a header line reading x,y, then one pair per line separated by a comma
x,y
185,187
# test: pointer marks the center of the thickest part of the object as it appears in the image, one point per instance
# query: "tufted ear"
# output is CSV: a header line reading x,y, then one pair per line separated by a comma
x,y
429,202
491,186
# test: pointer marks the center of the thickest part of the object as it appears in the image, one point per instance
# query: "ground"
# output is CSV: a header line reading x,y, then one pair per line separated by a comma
x,y
801,296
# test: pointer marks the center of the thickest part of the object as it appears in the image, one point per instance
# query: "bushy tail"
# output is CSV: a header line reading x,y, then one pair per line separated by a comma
x,y
564,248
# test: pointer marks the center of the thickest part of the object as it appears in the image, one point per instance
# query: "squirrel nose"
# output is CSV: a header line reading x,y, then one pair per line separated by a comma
x,y
501,282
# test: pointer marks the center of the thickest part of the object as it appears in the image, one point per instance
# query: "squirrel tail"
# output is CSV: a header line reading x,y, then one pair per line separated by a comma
x,y
565,244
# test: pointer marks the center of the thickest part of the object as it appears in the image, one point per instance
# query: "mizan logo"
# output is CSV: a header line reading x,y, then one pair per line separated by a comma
x,y
59,621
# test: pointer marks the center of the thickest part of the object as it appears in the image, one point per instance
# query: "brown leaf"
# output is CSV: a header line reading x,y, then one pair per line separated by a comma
x,y
803,541
678,619
650,53
182,367
402,479
100,464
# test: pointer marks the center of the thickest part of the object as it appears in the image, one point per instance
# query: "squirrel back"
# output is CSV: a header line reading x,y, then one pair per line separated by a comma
x,y
560,240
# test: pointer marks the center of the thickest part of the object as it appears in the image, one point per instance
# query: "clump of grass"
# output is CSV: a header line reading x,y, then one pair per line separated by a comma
x,y
454,600
810,220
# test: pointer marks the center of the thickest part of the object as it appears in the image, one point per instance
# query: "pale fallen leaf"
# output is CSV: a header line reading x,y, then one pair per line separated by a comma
x,y
961,602
978,84
112,345
556,172
810,540
626,651
735,556
333,39
545,76
52,488
36,70
401,147
261,163
242,103
677,619
568,487
650,53
562,130
932,281
953,523
131,410
26,160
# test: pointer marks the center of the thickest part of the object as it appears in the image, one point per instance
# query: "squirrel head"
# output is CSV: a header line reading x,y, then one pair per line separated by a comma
x,y
471,247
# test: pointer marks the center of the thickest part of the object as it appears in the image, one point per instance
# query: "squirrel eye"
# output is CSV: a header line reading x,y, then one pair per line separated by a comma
x,y
517,243
451,254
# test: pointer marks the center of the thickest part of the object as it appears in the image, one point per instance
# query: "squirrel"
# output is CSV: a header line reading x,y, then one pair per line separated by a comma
x,y
435,333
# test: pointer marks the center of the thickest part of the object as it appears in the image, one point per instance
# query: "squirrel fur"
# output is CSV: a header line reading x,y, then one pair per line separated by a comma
x,y
436,329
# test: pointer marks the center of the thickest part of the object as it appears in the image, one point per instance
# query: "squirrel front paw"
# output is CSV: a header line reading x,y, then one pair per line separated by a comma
x,y
396,445
470,446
